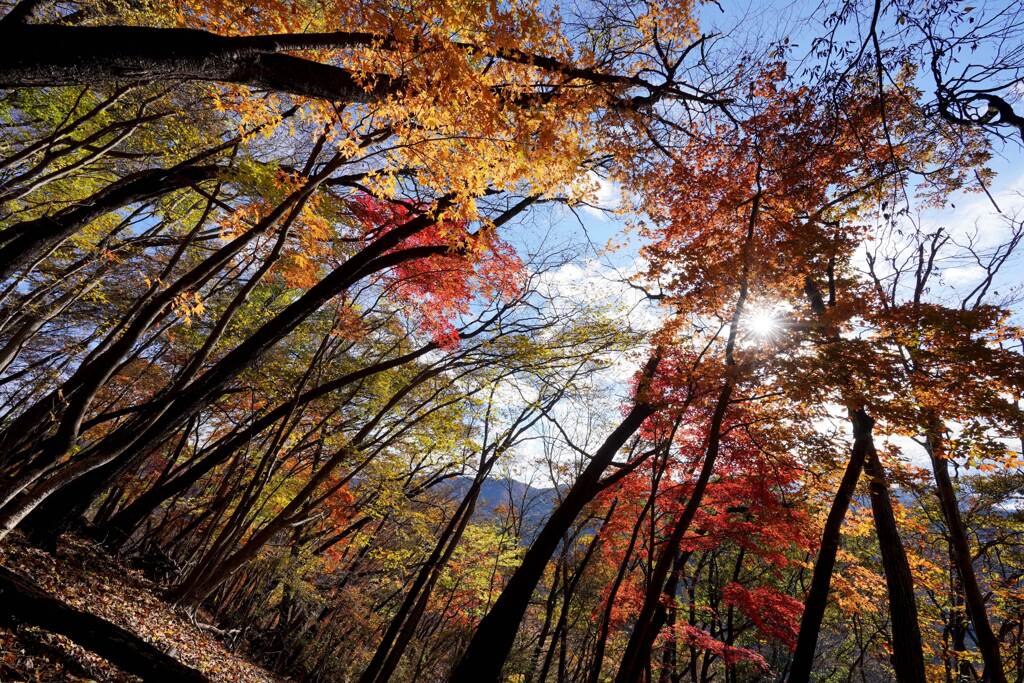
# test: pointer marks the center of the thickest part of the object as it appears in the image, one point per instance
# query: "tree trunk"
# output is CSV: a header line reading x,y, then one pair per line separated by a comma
x,y
488,649
654,611
403,623
49,55
821,578
988,644
907,656
25,242
45,55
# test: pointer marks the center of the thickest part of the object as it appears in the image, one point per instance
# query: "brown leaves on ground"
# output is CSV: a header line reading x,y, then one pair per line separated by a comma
x,y
84,577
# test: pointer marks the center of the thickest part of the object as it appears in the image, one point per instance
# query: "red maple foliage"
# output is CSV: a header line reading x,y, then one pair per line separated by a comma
x,y
441,287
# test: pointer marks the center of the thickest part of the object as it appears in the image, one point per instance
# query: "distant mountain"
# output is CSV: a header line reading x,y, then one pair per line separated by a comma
x,y
497,495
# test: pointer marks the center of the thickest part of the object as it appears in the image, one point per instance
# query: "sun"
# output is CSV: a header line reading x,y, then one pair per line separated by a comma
x,y
762,323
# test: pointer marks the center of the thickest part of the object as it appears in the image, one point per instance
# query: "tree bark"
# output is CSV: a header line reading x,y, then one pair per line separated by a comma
x,y
907,657
47,55
654,611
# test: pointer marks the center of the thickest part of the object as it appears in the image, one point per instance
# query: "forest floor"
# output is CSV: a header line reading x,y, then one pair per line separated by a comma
x,y
89,579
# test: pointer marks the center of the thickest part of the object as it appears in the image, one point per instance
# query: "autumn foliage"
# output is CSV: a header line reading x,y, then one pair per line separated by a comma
x,y
476,341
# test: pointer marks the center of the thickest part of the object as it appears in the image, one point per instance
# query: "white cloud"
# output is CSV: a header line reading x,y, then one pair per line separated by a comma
x,y
606,194
972,216
973,223
963,275
601,286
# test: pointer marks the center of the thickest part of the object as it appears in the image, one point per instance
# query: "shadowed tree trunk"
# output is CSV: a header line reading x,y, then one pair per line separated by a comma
x,y
636,659
47,54
821,578
42,55
908,658
485,656
986,639
653,613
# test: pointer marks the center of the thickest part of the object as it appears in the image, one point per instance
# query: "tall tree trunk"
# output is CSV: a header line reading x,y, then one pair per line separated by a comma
x,y
405,620
654,611
907,657
821,578
986,639
488,649
670,656
957,627
43,55
636,659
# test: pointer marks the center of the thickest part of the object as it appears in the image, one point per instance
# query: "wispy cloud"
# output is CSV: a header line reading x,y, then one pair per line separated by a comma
x,y
606,196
